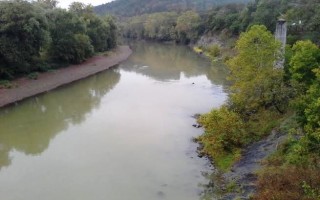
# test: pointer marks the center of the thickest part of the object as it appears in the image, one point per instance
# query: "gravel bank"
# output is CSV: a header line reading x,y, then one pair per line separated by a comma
x,y
51,80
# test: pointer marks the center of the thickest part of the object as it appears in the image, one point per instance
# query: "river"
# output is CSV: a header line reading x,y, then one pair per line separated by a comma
x,y
123,134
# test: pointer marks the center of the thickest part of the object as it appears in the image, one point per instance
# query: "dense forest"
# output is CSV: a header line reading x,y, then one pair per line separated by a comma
x,y
128,8
227,20
37,36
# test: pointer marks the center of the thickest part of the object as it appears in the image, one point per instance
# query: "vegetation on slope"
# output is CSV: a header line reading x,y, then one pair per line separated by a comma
x,y
257,94
228,21
129,8
260,97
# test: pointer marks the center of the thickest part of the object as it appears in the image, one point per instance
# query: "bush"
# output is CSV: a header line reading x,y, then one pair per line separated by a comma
x,y
6,84
225,132
214,51
33,75
289,183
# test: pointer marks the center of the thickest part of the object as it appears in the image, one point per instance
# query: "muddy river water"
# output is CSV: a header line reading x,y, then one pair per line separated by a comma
x,y
123,134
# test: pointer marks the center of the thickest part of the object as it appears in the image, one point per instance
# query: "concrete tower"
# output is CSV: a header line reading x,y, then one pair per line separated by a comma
x,y
281,35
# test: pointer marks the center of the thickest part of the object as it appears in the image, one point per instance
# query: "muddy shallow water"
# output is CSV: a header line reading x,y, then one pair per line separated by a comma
x,y
121,134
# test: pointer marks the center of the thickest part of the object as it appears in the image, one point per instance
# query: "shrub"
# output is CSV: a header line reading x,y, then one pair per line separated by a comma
x,y
289,183
224,132
33,75
6,84
214,51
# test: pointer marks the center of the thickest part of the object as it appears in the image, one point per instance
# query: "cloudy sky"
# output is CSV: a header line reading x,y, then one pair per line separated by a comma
x,y
65,3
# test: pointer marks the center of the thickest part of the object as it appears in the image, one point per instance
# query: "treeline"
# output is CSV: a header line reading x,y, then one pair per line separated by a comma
x,y
38,36
129,8
263,97
302,17
165,26
228,20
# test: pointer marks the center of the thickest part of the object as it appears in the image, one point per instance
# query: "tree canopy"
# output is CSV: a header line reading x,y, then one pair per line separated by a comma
x,y
256,82
24,32
129,8
34,35
229,18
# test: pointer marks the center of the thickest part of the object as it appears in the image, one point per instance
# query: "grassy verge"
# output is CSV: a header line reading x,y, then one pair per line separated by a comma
x,y
6,84
226,161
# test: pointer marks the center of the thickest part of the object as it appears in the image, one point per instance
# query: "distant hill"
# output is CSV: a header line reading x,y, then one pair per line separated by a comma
x,y
128,8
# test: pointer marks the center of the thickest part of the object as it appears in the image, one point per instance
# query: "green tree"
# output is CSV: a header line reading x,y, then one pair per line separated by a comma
x,y
48,4
113,31
225,131
98,31
101,30
306,58
80,8
268,11
70,42
160,26
134,27
23,33
312,105
256,83
187,26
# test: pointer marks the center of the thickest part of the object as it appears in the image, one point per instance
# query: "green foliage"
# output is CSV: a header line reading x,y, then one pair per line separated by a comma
x,y
160,26
80,8
165,26
295,168
306,57
35,34
187,24
309,111
98,31
224,132
225,18
256,84
261,122
33,75
23,33
305,15
113,31
48,4
224,161
6,84
311,192
134,27
214,51
228,17
70,43
129,8
268,11
289,123
258,98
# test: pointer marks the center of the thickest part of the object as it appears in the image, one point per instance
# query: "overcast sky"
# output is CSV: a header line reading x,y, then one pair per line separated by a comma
x,y
65,3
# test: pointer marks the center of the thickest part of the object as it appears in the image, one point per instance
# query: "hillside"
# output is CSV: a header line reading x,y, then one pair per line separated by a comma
x,y
128,8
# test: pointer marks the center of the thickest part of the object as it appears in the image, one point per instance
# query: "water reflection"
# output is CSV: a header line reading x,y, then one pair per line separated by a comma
x,y
133,142
166,62
29,127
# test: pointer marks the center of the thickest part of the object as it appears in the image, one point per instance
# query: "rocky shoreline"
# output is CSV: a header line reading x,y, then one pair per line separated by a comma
x,y
47,81
240,181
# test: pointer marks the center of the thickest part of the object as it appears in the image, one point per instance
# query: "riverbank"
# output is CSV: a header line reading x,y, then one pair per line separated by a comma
x,y
50,80
240,181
